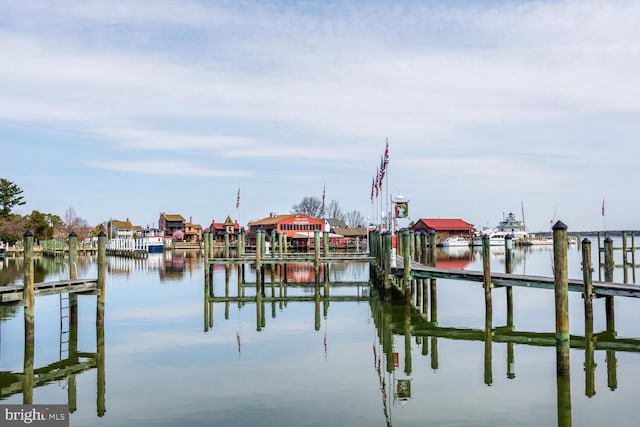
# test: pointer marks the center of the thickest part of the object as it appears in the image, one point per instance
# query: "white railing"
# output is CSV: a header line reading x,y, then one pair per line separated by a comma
x,y
128,245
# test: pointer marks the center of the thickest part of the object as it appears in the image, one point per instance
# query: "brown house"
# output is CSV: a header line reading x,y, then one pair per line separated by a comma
x,y
192,232
170,223
219,229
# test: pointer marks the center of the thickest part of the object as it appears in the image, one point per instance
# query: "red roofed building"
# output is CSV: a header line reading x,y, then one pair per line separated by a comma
x,y
230,227
444,227
298,229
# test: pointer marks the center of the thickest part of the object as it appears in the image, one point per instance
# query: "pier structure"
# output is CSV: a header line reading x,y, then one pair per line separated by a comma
x,y
275,263
415,268
72,361
132,248
414,280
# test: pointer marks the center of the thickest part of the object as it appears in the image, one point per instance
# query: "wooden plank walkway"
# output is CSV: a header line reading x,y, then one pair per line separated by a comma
x,y
57,371
15,293
293,258
298,298
503,279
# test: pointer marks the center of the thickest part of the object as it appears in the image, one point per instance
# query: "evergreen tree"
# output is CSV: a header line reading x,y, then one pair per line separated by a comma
x,y
9,197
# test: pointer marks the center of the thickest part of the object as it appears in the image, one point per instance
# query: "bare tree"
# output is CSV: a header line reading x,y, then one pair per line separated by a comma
x,y
334,211
71,221
355,219
311,206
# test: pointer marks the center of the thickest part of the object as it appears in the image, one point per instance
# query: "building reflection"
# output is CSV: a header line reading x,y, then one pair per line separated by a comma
x,y
170,265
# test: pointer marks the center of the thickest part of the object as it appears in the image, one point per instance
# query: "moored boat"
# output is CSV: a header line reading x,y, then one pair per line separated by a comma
x,y
510,225
153,239
455,241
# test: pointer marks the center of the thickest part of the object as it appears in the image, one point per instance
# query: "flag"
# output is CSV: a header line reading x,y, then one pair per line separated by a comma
x,y
386,156
238,200
323,192
381,171
373,188
603,207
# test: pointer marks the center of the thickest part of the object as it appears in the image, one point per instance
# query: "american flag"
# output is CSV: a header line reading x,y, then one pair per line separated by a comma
x,y
238,200
602,207
386,156
373,188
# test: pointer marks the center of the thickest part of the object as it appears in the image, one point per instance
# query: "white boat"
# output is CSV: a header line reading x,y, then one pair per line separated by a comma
x,y
537,241
455,241
153,239
509,225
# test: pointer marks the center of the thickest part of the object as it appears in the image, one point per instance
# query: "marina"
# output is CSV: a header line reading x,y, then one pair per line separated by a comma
x,y
249,294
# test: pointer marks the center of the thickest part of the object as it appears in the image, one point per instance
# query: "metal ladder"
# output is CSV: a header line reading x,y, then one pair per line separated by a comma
x,y
64,326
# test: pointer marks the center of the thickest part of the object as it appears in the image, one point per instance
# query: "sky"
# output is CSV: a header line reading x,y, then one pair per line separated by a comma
x,y
125,109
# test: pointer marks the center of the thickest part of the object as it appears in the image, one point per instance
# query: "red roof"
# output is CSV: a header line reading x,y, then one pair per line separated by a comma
x,y
446,224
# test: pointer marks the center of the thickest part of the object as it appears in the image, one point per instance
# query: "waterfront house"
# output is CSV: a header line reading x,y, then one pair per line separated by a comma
x,y
192,232
333,223
445,227
230,227
170,223
121,229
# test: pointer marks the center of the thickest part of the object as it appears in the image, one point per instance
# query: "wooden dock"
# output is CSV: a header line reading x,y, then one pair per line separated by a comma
x,y
75,362
15,293
600,288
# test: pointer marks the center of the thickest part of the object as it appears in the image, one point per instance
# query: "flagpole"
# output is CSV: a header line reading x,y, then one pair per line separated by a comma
x,y
390,215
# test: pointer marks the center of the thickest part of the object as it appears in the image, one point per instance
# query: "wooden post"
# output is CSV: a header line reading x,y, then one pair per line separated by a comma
x,y
561,283
102,277
608,277
226,245
563,384
274,241
316,250
406,257
73,256
29,331
508,253
407,338
587,281
486,262
240,243
205,253
325,243
589,359
425,295
28,285
412,240
386,259
600,249
488,341
432,248
73,299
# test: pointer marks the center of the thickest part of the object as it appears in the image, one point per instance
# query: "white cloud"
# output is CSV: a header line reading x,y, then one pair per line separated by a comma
x,y
165,167
514,85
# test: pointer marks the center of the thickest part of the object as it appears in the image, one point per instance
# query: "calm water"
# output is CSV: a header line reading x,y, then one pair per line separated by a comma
x,y
343,363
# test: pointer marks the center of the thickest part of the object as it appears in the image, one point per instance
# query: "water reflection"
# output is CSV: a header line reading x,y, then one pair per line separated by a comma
x,y
406,339
169,266
413,322
70,363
